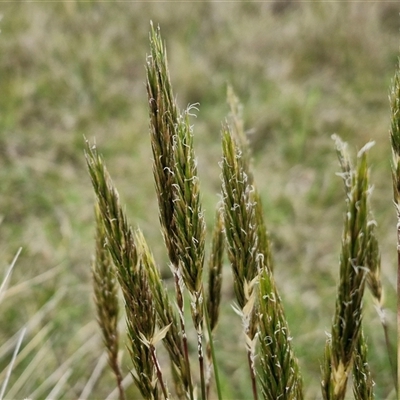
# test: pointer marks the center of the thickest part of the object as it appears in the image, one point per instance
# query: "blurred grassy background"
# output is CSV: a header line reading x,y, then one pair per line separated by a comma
x,y
303,71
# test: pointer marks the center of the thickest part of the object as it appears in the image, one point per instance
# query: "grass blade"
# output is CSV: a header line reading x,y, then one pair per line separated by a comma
x,y
10,366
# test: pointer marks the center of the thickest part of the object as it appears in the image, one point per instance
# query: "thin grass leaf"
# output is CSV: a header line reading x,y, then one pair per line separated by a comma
x,y
38,344
24,286
95,376
62,380
11,364
126,382
90,342
7,276
33,322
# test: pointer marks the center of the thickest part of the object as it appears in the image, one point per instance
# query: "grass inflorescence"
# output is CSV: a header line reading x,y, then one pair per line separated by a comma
x,y
124,257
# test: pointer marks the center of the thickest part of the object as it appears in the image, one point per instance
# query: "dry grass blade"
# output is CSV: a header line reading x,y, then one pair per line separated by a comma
x,y
346,326
10,366
132,277
33,322
126,382
395,140
61,381
24,286
90,343
38,344
95,376
106,299
8,273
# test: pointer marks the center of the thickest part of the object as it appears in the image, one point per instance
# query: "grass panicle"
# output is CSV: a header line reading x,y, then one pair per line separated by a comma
x,y
346,325
163,121
249,254
124,257
177,188
188,220
163,126
106,300
241,239
236,125
132,277
239,217
395,141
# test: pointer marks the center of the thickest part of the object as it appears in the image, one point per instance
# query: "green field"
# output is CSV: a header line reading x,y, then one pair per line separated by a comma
x,y
302,70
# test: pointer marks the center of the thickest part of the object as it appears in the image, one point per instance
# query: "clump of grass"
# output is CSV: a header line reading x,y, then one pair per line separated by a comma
x,y
240,228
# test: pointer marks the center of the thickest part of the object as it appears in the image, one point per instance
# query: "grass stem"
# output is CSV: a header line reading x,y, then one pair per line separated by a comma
x,y
212,350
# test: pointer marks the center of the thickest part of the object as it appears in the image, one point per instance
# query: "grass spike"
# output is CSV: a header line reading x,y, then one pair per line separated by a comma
x,y
249,253
131,274
106,300
346,325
